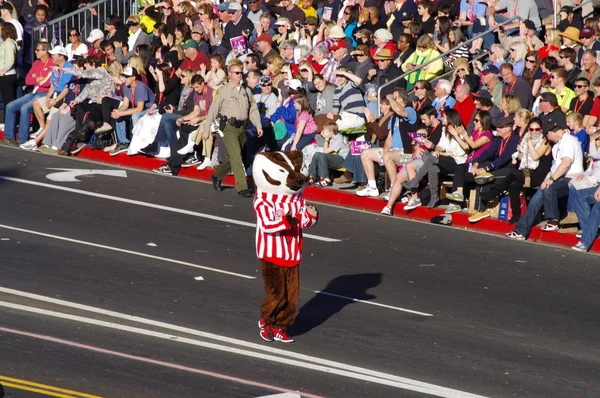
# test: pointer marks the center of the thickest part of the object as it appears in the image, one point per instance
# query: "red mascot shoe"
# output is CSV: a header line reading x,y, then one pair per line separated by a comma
x,y
266,331
280,334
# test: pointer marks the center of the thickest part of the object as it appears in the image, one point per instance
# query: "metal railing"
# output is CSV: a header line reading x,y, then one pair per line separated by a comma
x,y
441,56
85,19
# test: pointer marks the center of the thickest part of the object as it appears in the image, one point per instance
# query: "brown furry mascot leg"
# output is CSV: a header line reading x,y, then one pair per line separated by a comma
x,y
282,290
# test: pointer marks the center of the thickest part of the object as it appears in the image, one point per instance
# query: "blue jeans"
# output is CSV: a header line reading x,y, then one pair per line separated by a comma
x,y
121,127
167,130
546,198
588,213
24,106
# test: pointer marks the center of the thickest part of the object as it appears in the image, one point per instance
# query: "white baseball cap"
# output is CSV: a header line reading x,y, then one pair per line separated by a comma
x,y
58,50
295,84
95,35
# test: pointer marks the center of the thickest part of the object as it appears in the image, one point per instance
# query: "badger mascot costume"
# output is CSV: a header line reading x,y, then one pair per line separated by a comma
x,y
281,215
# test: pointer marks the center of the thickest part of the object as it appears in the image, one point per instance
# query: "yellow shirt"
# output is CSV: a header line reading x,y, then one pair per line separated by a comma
x,y
565,97
309,12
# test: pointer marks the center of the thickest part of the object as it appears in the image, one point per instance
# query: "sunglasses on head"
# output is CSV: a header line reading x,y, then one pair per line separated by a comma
x,y
535,129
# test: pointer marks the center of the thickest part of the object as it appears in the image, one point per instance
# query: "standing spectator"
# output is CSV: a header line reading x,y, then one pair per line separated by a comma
x,y
236,105
6,13
8,65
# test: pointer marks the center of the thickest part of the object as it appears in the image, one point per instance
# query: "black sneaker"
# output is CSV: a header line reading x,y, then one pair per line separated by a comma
x,y
246,193
78,148
216,183
149,149
120,149
164,169
191,161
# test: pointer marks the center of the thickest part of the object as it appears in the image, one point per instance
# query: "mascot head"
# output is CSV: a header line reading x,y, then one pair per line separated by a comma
x,y
279,172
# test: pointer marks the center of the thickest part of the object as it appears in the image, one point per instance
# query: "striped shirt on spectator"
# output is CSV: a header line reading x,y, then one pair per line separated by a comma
x,y
348,98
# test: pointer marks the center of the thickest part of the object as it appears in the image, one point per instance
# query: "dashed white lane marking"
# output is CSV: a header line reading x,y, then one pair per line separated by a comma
x,y
153,206
159,363
297,359
134,253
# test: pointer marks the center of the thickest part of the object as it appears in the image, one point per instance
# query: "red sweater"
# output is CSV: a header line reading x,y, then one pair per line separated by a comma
x,y
465,109
40,69
276,240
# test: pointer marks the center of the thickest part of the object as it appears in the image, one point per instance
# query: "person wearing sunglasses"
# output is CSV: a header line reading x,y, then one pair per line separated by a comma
x,y
75,48
583,102
567,59
565,95
567,164
237,107
529,166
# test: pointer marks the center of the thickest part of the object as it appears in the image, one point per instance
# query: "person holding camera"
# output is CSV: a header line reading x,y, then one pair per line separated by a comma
x,y
235,106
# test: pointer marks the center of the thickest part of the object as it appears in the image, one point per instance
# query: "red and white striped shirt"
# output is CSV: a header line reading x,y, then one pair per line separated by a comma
x,y
276,240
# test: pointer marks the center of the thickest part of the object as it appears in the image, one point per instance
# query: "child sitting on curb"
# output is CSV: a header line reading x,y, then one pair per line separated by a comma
x,y
334,151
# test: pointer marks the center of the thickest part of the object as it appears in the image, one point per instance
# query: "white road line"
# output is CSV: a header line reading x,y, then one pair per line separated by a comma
x,y
217,337
169,260
408,384
286,393
373,303
153,206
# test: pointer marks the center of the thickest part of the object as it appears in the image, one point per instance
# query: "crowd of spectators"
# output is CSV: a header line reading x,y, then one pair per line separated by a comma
x,y
513,112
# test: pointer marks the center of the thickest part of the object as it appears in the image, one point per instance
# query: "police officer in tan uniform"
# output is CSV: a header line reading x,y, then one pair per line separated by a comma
x,y
234,104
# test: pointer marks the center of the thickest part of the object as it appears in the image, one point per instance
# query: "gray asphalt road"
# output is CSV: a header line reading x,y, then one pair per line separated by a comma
x,y
507,318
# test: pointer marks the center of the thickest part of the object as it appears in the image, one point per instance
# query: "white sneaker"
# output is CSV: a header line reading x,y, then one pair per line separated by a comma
x,y
386,197
36,134
205,163
368,191
387,210
110,148
413,203
2,126
188,148
30,145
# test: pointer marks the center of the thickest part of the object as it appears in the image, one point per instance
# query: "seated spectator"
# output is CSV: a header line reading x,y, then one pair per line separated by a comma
x,y
462,75
75,48
137,99
510,105
443,159
585,201
306,128
424,53
583,102
397,149
476,144
516,57
215,77
465,106
335,150
589,66
567,163
59,86
193,58
483,102
574,122
348,104
386,71
522,119
533,73
95,38
567,60
558,85
552,44
516,86
423,95
377,133
364,61
284,118
442,99
433,134
551,113
145,129
62,123
39,76
492,84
